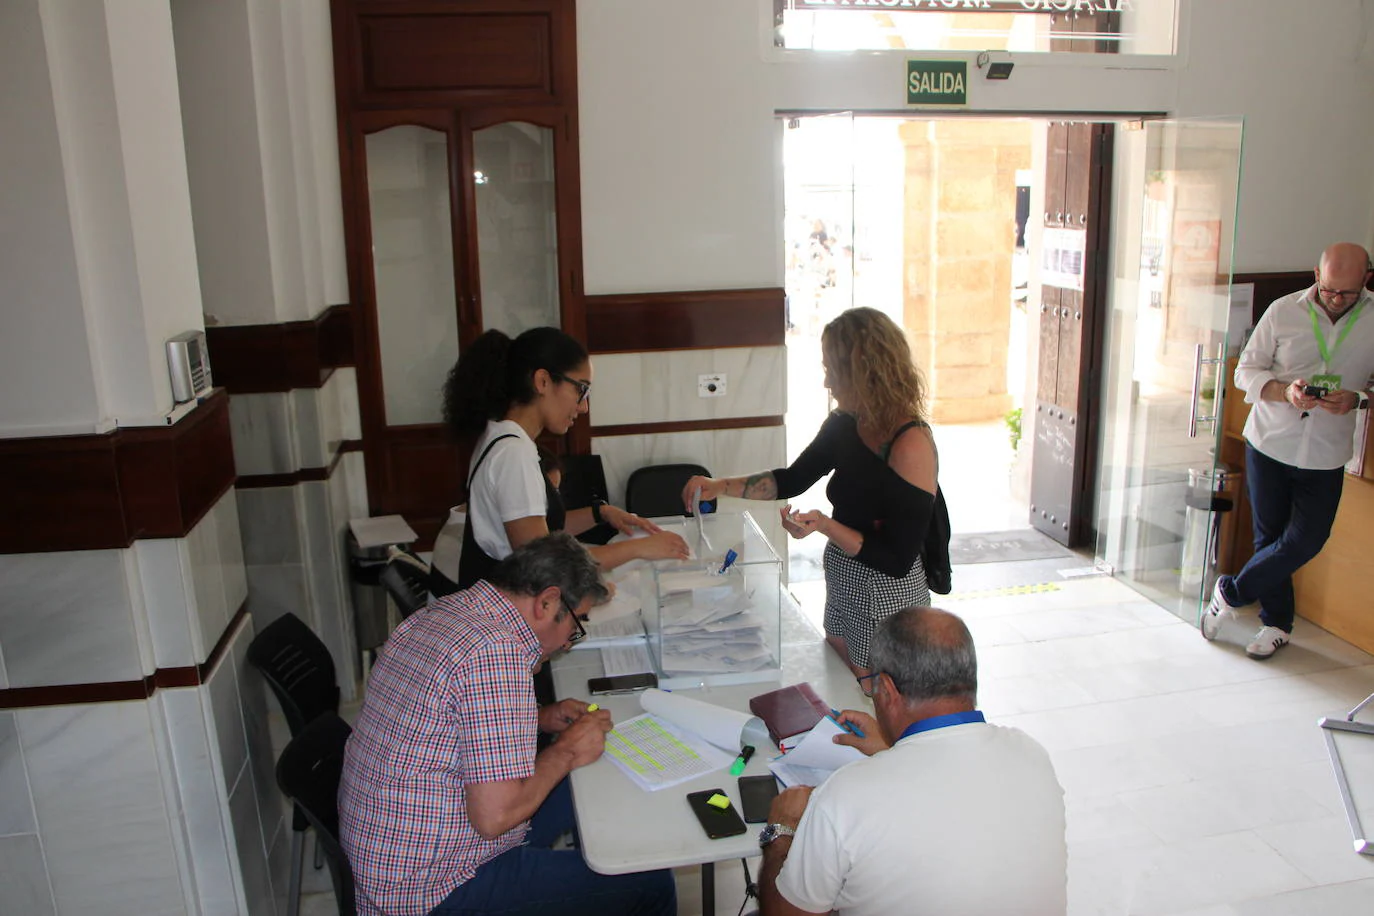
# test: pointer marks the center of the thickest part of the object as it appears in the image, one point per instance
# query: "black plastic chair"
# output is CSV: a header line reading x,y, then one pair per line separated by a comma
x,y
406,579
584,481
656,490
308,772
300,671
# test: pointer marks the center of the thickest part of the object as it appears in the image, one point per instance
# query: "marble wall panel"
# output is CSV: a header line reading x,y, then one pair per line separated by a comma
x,y
260,425
662,386
270,525
307,428
101,812
168,597
66,618
24,886
343,384
220,700
204,807
252,853
324,562
16,803
4,676
262,755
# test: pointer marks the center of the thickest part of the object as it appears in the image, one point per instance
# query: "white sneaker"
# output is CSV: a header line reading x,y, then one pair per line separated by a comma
x,y
1217,608
1266,642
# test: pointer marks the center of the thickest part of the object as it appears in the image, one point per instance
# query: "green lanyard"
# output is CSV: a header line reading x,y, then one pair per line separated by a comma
x,y
1321,340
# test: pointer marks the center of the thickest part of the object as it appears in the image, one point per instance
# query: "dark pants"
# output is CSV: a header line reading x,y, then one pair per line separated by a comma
x,y
1292,510
534,879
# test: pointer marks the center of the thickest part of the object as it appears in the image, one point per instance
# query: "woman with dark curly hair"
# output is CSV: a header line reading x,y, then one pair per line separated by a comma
x,y
499,397
883,491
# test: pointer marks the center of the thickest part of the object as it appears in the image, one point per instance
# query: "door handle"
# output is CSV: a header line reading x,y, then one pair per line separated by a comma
x,y
1197,389
1198,362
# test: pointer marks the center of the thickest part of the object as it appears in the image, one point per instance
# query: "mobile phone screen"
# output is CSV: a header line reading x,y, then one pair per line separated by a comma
x,y
756,794
717,822
621,683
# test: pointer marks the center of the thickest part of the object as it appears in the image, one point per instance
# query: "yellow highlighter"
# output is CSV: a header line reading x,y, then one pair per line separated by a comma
x,y
592,707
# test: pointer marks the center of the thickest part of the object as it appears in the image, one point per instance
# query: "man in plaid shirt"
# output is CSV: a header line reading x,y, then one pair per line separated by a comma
x,y
444,806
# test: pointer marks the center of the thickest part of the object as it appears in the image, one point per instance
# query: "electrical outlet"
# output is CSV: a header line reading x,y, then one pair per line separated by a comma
x,y
711,386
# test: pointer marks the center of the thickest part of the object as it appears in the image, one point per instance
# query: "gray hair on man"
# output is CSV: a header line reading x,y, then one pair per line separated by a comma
x,y
928,653
556,560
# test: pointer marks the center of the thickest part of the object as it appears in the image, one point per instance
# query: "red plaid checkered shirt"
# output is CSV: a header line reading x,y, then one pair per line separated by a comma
x,y
449,702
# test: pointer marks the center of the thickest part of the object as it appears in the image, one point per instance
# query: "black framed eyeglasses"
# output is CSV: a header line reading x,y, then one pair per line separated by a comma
x,y
579,632
584,389
1339,293
868,683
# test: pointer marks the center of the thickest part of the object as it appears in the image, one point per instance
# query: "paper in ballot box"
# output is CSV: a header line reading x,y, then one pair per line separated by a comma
x,y
715,618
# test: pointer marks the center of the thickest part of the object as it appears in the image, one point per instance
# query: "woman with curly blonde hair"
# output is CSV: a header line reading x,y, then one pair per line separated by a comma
x,y
883,491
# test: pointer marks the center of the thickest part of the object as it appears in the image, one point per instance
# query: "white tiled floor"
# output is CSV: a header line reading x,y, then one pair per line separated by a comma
x,y
1196,779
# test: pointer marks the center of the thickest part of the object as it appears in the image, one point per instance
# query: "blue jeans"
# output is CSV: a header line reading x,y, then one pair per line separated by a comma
x,y
1292,511
534,879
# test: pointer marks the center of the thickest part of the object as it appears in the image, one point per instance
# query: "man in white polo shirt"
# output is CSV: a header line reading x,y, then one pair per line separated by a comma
x,y
949,814
1305,369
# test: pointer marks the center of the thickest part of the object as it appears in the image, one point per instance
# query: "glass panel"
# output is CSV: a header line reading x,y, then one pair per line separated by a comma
x,y
1176,207
412,268
1101,27
517,230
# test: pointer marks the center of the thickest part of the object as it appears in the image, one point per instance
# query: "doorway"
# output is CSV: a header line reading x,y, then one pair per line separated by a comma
x,y
932,222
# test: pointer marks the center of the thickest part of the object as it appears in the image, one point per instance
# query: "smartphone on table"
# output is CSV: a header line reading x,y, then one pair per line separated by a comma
x,y
756,794
716,821
621,683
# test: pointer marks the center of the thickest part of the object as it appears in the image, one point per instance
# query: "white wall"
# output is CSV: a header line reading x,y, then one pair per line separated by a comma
x,y
681,163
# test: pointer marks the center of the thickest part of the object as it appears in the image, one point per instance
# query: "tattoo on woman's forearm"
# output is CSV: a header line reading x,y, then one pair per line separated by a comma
x,y
761,486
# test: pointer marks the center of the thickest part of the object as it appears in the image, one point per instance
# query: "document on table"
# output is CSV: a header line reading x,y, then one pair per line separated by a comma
x,y
629,659
812,761
656,754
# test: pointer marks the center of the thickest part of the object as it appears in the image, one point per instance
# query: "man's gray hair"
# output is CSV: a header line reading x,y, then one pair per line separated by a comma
x,y
556,560
928,653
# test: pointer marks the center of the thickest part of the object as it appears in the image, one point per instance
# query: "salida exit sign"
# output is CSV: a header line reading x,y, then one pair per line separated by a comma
x,y
942,83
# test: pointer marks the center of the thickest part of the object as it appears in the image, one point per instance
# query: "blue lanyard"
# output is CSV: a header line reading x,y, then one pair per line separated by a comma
x,y
934,722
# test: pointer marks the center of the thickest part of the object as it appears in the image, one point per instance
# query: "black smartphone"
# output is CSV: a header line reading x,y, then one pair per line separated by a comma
x,y
717,822
621,683
1314,391
756,794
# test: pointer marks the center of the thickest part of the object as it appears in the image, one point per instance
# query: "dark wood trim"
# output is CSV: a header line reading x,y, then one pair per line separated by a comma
x,y
123,691
95,492
1273,285
693,320
264,358
685,426
259,481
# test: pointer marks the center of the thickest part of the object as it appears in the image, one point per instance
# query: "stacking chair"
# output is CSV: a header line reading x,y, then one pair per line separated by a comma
x,y
656,490
300,671
308,772
406,579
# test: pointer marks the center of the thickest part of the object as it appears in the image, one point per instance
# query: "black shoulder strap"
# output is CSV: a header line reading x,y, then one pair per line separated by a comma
x,y
484,454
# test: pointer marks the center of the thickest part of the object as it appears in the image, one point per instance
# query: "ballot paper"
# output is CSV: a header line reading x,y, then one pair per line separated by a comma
x,y
678,738
812,761
629,659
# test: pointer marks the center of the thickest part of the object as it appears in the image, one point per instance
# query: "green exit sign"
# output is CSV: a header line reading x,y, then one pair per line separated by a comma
x,y
937,82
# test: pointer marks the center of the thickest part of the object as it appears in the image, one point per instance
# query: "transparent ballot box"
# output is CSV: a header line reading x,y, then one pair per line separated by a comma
x,y
709,621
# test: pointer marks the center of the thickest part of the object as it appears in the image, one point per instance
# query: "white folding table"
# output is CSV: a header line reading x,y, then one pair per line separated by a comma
x,y
626,829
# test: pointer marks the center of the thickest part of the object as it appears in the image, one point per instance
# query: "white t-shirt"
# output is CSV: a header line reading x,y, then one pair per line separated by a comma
x,y
507,486
966,819
1283,347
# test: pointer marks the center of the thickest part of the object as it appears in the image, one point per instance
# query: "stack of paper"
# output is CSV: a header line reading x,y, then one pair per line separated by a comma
x,y
677,739
812,761
708,627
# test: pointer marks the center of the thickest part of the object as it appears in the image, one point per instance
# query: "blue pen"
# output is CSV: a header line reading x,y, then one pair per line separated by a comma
x,y
847,726
730,557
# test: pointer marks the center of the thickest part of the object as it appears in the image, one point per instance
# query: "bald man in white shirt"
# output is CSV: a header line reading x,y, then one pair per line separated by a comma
x,y
1306,368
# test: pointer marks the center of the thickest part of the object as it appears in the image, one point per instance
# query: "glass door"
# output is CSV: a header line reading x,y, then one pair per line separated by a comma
x,y
1166,365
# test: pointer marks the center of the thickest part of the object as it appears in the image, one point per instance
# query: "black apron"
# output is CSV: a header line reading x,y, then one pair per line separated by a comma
x,y
474,564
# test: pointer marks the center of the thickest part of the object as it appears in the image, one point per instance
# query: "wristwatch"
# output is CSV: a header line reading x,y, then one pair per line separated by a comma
x,y
596,510
1364,401
773,831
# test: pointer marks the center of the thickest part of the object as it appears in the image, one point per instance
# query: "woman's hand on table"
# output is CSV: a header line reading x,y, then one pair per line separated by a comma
x,y
665,545
627,523
709,486
871,743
